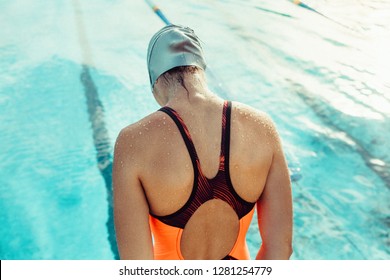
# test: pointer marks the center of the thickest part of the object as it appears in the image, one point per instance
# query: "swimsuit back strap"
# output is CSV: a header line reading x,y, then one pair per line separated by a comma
x,y
225,140
184,133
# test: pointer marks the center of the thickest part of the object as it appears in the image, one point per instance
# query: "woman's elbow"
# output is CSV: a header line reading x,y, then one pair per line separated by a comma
x,y
275,251
290,251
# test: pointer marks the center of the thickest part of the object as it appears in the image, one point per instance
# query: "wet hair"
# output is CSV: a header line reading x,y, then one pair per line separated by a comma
x,y
175,76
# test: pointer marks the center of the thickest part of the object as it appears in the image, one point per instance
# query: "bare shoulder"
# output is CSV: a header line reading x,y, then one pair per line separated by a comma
x,y
141,128
135,138
254,119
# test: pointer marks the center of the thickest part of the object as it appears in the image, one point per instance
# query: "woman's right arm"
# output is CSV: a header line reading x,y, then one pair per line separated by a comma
x,y
274,208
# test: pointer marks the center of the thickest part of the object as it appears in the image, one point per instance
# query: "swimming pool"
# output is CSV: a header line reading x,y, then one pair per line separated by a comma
x,y
74,73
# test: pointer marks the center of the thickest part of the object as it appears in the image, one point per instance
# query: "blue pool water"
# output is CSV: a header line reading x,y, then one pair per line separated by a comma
x,y
324,81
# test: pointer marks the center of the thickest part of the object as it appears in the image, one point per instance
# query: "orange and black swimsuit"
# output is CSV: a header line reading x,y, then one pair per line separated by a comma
x,y
167,230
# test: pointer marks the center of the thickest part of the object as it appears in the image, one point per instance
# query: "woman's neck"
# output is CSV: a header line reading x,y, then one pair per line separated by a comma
x,y
191,90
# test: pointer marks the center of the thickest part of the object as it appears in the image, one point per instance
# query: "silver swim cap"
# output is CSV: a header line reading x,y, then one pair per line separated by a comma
x,y
173,46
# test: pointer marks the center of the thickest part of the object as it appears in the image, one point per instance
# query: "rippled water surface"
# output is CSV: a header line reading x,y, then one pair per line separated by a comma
x,y
322,75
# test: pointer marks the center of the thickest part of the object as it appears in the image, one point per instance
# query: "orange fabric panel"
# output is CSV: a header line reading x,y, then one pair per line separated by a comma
x,y
167,240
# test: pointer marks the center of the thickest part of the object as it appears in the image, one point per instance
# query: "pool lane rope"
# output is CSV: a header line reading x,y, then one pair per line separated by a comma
x,y
293,165
158,12
307,7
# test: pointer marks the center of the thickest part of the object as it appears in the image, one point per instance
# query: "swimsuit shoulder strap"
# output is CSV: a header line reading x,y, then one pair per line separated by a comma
x,y
184,133
225,140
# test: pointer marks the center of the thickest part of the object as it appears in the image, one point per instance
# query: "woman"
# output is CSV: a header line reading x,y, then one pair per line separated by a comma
x,y
192,173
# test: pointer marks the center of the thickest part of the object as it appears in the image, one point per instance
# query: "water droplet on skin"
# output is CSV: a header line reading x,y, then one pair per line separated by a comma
x,y
163,123
140,132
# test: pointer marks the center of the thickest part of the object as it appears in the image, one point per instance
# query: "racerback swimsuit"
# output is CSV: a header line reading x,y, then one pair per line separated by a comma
x,y
167,230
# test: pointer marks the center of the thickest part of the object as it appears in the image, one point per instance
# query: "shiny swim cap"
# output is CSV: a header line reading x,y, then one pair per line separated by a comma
x,y
173,46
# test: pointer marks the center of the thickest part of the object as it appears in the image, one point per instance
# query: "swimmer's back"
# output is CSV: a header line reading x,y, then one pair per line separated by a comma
x,y
159,156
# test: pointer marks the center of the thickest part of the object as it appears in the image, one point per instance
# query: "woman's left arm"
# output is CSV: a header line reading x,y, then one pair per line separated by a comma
x,y
131,209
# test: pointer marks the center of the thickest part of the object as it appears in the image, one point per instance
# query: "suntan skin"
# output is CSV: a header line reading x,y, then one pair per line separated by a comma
x,y
153,172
